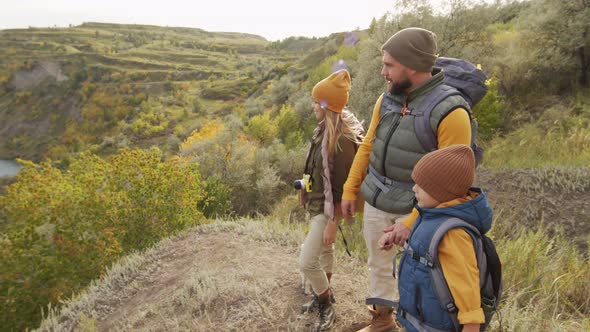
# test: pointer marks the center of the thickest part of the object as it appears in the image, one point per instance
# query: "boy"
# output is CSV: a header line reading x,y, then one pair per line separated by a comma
x,y
443,190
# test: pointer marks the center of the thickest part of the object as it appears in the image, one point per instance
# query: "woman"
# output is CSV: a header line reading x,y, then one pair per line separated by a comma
x,y
330,156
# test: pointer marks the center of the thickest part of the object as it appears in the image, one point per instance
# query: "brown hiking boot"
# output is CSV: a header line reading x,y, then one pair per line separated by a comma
x,y
382,320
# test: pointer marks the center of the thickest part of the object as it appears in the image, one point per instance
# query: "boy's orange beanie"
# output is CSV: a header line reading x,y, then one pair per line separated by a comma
x,y
447,173
332,91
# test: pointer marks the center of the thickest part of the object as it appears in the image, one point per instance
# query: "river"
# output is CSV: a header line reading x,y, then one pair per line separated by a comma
x,y
9,168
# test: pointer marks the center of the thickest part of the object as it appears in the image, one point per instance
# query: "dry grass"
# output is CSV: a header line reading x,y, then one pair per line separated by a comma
x,y
226,276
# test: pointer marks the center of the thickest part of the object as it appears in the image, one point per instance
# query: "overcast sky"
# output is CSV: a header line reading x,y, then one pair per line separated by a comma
x,y
271,19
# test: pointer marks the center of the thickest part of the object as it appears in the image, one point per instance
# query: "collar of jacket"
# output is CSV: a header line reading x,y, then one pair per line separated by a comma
x,y
436,79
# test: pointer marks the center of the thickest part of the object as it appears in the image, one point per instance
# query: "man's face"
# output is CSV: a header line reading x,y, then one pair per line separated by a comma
x,y
396,75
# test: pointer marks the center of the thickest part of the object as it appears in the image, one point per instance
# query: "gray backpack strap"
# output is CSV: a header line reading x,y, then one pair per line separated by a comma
x,y
388,104
417,323
439,283
426,136
386,184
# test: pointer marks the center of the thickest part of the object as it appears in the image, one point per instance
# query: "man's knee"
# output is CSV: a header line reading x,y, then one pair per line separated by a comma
x,y
307,265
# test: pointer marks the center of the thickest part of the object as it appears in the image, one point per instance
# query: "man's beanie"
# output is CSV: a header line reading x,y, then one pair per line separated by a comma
x,y
332,91
447,173
414,48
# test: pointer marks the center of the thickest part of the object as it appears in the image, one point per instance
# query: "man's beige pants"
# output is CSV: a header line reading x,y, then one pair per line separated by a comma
x,y
382,285
316,259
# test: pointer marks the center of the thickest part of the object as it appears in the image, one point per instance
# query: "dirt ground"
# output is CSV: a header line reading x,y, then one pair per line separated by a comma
x,y
223,281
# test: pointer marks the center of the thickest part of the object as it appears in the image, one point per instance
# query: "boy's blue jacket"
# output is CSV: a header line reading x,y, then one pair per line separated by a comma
x,y
418,301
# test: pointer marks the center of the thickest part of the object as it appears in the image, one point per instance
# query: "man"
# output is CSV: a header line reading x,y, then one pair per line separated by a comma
x,y
383,165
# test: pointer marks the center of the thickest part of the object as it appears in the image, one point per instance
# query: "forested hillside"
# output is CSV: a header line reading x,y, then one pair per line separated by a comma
x,y
131,133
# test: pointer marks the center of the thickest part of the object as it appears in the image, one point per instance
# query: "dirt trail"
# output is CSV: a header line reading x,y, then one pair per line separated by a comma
x,y
226,280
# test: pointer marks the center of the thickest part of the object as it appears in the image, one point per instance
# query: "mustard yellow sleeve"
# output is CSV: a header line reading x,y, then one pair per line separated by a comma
x,y
411,219
455,128
358,170
457,258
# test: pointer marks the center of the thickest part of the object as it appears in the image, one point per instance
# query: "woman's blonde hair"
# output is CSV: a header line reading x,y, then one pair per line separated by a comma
x,y
345,123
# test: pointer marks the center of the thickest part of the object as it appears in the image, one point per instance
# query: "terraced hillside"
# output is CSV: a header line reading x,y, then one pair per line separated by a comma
x,y
104,86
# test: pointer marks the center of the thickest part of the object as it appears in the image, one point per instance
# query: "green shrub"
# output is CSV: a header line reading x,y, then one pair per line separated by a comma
x,y
262,128
63,229
216,200
489,112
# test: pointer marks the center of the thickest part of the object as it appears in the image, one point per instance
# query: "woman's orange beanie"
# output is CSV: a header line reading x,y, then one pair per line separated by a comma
x,y
332,91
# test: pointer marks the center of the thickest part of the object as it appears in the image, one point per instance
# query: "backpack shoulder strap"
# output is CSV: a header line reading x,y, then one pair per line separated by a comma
x,y
424,132
439,283
388,104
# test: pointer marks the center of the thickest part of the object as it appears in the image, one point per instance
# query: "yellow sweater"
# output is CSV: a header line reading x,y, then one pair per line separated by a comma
x,y
457,259
455,128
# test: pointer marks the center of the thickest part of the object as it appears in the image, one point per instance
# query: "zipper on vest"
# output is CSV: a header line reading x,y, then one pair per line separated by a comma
x,y
389,134
374,200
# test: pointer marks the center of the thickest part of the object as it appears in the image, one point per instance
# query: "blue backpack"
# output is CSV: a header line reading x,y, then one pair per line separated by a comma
x,y
461,78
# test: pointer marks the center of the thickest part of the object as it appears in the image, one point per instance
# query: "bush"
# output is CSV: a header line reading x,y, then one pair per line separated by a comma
x,y
262,128
216,200
287,123
63,229
489,112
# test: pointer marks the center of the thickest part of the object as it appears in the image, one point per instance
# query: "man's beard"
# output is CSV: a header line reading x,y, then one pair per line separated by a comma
x,y
398,88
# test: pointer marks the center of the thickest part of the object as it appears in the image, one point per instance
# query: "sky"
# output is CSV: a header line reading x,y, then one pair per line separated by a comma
x,y
273,20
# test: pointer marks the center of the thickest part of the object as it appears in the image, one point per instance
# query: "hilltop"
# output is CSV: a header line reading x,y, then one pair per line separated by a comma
x,y
241,275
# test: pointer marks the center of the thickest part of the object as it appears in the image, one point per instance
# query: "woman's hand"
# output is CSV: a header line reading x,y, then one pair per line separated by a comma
x,y
330,232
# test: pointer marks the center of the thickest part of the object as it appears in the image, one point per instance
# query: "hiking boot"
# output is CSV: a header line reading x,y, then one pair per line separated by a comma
x,y
327,316
382,320
313,304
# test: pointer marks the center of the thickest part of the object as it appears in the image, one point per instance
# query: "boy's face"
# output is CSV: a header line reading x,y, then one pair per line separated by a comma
x,y
425,201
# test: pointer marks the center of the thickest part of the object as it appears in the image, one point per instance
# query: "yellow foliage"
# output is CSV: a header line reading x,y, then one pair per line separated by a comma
x,y
208,130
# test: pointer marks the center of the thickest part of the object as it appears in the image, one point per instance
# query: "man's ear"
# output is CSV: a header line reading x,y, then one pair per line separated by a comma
x,y
410,72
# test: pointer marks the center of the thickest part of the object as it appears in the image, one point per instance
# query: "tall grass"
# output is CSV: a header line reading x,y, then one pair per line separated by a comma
x,y
557,138
546,281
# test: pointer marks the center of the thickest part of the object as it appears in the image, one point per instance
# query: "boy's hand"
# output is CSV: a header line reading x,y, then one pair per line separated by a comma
x,y
471,328
388,228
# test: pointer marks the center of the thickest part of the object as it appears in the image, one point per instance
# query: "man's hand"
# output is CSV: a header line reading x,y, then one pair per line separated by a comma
x,y
386,241
330,233
398,233
348,207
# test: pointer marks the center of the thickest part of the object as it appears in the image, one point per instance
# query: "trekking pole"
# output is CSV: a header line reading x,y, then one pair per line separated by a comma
x,y
344,240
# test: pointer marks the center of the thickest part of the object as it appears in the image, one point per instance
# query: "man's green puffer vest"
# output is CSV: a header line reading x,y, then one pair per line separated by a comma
x,y
396,149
